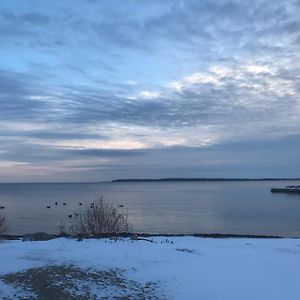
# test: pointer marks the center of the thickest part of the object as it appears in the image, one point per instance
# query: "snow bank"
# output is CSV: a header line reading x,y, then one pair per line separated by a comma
x,y
183,267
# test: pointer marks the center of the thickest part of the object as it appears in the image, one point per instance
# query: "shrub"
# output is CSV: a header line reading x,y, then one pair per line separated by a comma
x,y
99,220
3,224
62,229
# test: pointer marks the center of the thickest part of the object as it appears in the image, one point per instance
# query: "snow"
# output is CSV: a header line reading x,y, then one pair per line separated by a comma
x,y
182,267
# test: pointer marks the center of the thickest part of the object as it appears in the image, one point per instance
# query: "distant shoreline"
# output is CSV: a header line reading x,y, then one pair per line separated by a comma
x,y
155,180
202,179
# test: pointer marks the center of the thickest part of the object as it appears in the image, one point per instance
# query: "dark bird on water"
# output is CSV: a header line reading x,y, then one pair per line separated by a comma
x,y
70,216
80,203
55,203
64,203
2,207
48,206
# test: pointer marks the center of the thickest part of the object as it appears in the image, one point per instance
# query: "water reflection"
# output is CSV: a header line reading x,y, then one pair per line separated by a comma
x,y
159,207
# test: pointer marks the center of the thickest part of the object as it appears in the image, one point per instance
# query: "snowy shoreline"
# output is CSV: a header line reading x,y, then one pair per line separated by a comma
x,y
150,235
166,268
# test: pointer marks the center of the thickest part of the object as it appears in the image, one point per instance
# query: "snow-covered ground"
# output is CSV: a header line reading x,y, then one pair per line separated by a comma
x,y
167,268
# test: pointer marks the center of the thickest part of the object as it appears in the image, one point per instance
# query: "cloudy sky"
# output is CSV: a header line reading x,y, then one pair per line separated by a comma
x,y
95,90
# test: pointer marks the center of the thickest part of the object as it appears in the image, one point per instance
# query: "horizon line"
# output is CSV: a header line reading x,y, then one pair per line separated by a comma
x,y
160,179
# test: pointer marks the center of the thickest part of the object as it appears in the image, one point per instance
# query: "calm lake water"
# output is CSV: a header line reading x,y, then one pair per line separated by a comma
x,y
159,207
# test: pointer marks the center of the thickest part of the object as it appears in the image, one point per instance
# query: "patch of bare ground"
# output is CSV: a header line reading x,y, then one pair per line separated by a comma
x,y
69,282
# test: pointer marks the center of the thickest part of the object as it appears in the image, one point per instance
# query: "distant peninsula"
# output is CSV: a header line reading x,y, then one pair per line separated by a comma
x,y
201,179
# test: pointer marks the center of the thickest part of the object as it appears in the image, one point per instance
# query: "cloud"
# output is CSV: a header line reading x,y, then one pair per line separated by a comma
x,y
25,19
223,102
122,82
51,135
247,159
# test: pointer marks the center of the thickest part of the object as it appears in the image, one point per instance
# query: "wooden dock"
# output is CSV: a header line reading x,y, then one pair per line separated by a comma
x,y
285,190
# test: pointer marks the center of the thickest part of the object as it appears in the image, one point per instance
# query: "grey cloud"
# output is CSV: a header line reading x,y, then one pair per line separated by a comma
x,y
75,58
109,152
32,18
197,28
23,19
254,158
21,28
198,104
15,83
35,18
177,21
52,135
16,90
234,102
31,153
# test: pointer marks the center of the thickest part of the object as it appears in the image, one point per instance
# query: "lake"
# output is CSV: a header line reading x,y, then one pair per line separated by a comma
x,y
159,207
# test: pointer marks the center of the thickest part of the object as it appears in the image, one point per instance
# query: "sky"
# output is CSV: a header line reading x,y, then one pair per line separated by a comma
x,y
94,90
